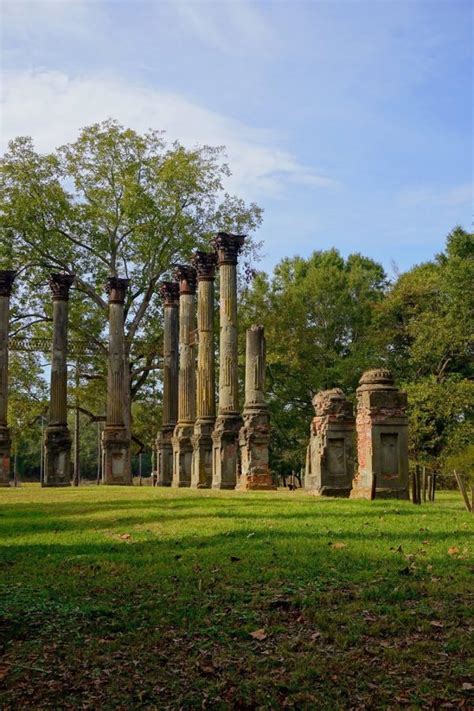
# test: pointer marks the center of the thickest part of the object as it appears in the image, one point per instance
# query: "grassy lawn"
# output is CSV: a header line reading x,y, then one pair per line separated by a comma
x,y
148,598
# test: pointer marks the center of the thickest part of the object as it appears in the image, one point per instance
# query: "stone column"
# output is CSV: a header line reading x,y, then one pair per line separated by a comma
x,y
225,455
115,438
330,454
57,458
382,438
201,475
184,430
170,292
7,278
254,436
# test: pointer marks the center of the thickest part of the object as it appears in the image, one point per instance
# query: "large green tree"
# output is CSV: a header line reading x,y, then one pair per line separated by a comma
x,y
317,314
112,203
425,332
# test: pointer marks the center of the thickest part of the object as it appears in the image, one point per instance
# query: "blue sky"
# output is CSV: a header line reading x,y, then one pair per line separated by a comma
x,y
350,122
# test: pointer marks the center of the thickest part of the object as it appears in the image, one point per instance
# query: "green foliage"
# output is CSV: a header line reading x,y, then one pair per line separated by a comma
x,y
327,319
463,462
317,315
113,202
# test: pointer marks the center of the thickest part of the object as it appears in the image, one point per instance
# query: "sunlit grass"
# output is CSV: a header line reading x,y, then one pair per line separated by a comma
x,y
156,593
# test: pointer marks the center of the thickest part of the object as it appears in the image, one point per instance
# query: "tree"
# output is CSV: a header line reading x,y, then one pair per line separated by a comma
x,y
425,331
112,203
317,314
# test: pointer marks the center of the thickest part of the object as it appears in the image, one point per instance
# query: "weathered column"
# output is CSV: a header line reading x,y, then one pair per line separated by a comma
x,y
330,454
201,475
225,455
57,443
184,430
254,437
382,438
169,290
7,278
115,438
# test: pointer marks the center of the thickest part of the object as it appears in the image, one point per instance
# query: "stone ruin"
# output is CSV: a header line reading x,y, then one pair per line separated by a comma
x,y
330,452
381,433
254,436
196,446
382,438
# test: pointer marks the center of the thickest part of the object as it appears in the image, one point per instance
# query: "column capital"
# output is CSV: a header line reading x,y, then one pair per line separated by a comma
x,y
186,276
7,277
205,264
169,291
116,288
228,247
60,285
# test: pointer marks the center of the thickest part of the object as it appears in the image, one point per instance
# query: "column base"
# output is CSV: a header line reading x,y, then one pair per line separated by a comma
x,y
182,455
382,493
225,451
254,438
164,449
5,448
338,492
364,484
57,456
201,469
116,446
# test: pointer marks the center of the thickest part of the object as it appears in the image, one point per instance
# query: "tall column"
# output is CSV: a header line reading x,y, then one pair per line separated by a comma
x,y
170,292
7,278
201,475
57,463
254,436
225,455
184,430
115,438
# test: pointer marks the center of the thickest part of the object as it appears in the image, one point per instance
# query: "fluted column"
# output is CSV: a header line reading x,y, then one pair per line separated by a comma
x,y
182,444
254,436
115,438
201,476
57,463
225,457
7,278
170,292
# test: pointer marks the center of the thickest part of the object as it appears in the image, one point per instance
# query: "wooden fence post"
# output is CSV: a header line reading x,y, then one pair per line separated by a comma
x,y
462,489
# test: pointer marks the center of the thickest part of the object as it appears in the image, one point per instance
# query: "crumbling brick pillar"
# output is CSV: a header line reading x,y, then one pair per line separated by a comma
x,y
254,437
184,430
225,447
201,475
115,437
170,292
330,455
7,277
382,438
57,461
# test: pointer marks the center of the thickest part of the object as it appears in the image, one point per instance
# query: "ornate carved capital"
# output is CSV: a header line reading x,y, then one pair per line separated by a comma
x,y
169,291
205,263
228,247
116,288
186,276
60,285
377,379
7,277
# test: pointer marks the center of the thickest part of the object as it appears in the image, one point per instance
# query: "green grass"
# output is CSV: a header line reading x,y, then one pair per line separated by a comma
x,y
147,598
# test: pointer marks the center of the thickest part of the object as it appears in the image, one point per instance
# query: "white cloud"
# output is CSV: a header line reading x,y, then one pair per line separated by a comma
x,y
51,107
